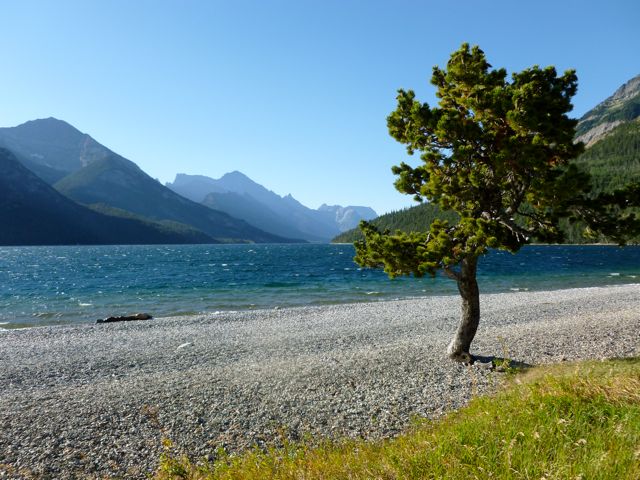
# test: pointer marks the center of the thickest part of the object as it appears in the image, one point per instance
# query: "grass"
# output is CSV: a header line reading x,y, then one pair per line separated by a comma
x,y
568,421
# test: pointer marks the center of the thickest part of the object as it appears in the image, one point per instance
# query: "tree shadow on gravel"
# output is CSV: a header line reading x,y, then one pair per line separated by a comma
x,y
500,364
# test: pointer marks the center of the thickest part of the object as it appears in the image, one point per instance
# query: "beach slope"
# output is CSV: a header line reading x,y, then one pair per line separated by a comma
x,y
94,400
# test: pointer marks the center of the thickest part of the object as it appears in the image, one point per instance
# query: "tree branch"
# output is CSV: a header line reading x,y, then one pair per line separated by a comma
x,y
452,274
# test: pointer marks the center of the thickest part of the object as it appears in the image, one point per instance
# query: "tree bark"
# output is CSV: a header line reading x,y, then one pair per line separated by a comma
x,y
468,287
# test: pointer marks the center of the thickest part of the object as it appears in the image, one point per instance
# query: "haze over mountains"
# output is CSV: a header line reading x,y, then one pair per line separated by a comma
x,y
60,186
75,176
239,196
34,213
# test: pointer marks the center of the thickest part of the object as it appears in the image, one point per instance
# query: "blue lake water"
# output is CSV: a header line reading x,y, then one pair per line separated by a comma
x,y
57,285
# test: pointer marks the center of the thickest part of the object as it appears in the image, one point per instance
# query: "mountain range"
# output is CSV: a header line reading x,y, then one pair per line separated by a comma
x,y
60,186
34,213
239,196
81,184
611,133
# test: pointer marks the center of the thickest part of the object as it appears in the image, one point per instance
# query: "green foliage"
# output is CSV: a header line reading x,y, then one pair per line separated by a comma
x,y
495,152
614,161
558,422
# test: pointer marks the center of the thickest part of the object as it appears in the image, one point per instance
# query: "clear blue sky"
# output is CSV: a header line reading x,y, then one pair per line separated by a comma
x,y
293,93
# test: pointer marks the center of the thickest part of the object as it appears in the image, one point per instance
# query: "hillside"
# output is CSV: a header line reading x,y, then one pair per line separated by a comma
x,y
614,160
611,132
242,205
413,219
33,213
120,183
621,107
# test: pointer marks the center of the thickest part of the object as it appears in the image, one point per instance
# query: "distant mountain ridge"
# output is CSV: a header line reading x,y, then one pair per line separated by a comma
x,y
347,217
89,173
238,195
120,183
52,148
233,208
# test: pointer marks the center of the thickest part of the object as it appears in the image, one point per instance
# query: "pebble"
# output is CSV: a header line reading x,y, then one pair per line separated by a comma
x,y
101,400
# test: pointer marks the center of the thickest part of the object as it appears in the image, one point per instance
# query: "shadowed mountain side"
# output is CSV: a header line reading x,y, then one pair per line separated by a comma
x,y
246,207
52,148
120,183
239,196
310,223
33,213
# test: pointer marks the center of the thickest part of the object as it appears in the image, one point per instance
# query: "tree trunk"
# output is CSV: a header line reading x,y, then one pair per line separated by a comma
x,y
468,287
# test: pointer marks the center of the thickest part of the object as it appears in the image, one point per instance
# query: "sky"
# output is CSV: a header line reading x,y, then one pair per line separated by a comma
x,y
294,93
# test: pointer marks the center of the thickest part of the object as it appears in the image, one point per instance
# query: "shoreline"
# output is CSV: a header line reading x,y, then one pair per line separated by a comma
x,y
7,325
92,400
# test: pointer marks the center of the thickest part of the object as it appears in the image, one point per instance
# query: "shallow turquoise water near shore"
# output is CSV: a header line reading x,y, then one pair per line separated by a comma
x,y
57,285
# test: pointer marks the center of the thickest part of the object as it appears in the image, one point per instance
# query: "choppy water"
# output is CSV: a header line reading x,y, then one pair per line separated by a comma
x,y
52,285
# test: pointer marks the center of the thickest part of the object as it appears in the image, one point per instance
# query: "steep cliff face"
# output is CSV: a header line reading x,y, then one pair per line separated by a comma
x,y
621,107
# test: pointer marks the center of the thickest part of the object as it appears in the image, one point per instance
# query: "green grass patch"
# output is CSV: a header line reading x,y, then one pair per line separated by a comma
x,y
569,421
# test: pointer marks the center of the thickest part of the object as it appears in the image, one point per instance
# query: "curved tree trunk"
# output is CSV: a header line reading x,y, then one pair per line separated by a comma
x,y
468,287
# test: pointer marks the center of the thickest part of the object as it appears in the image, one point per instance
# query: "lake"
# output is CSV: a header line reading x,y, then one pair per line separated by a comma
x,y
60,285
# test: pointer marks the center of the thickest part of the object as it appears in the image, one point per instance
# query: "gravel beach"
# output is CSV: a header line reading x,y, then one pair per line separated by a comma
x,y
93,401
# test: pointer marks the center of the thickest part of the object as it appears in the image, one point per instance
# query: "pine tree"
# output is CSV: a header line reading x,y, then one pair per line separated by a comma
x,y
497,153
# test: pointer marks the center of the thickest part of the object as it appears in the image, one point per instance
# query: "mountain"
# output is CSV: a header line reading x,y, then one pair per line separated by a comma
x,y
614,160
347,217
194,187
51,148
621,107
120,183
241,205
33,213
611,132
238,195
89,173
413,219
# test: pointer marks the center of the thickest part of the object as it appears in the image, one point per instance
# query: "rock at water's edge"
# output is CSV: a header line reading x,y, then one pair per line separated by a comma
x,y
125,318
